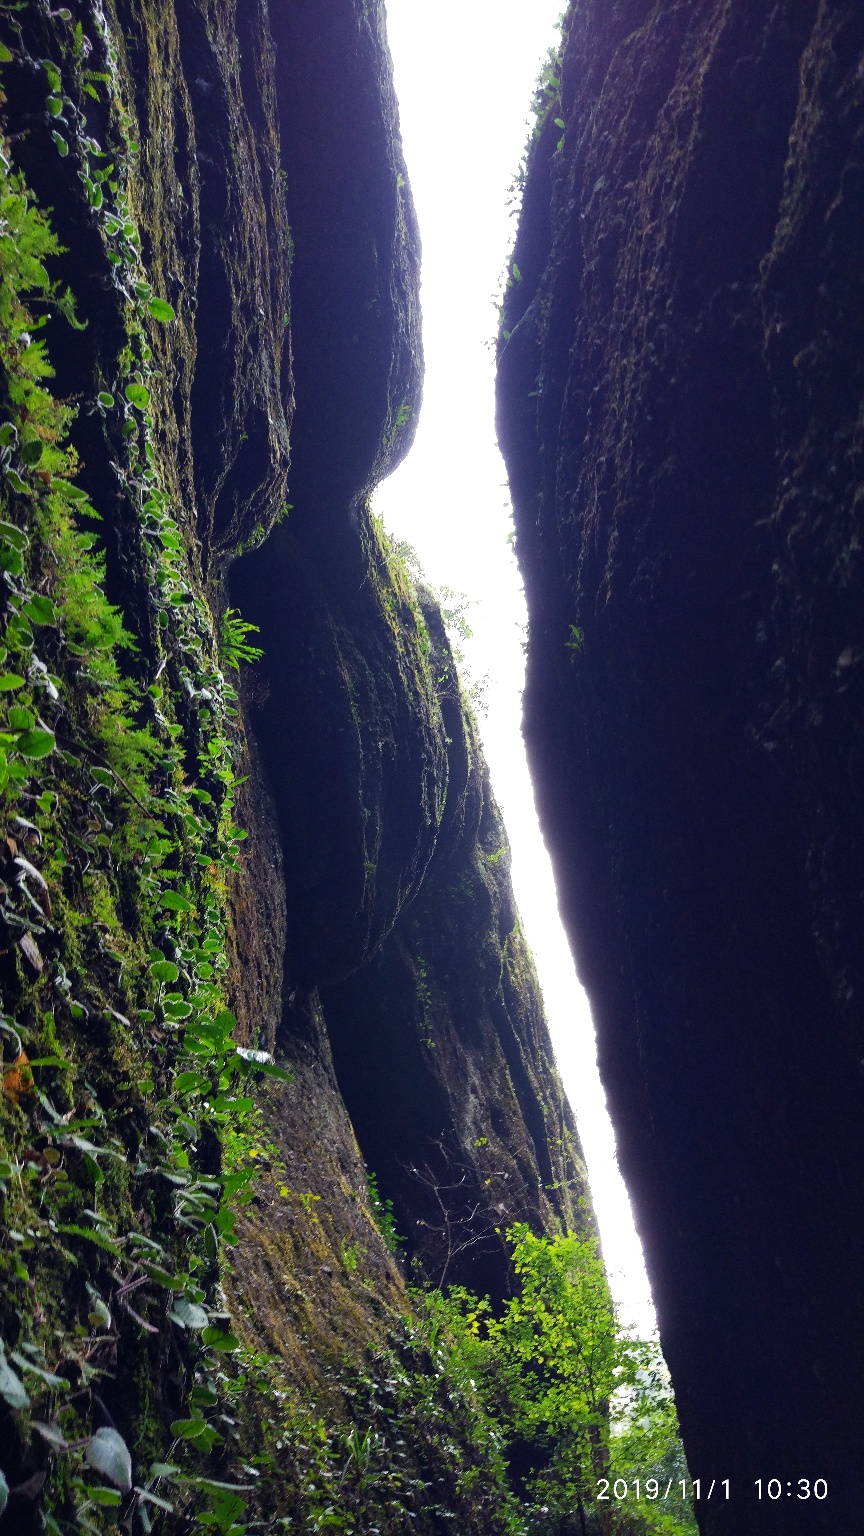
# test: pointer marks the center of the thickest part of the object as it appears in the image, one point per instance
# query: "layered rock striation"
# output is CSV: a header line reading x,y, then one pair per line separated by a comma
x,y
680,384
230,364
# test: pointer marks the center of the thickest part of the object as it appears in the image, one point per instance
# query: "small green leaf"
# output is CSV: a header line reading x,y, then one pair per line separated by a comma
x,y
106,1496
164,970
5,57
35,743
108,1454
155,1498
177,1011
162,1277
50,1432
32,450
224,1104
161,310
138,395
16,482
175,902
40,610
221,1339
105,400
236,1181
189,1314
60,144
48,1377
11,1388
10,681
188,1429
191,1082
54,105
91,1235
269,1068
10,534
99,1315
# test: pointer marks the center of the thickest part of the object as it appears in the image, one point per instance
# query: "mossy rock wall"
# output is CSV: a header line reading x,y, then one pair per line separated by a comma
x,y
208,867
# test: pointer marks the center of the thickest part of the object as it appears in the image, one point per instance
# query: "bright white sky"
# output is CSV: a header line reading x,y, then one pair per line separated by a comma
x,y
465,71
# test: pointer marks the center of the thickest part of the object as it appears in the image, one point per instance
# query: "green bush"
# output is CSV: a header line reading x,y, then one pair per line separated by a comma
x,y
574,1401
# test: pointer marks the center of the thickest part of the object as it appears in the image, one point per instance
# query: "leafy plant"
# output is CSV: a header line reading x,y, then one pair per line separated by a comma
x,y
116,794
233,643
382,1212
571,1393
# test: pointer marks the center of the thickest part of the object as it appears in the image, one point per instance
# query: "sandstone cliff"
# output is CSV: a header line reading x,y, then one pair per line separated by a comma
x,y
267,1005
680,409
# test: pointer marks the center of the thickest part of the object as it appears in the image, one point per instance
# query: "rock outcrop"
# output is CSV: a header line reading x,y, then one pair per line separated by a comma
x,y
230,364
680,395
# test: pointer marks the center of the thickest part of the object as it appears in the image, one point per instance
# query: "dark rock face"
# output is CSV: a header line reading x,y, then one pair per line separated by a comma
x,y
361,801
245,159
403,953
372,918
441,1049
679,405
196,86
219,244
356,315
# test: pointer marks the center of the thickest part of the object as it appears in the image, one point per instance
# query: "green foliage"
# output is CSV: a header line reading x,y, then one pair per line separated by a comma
x,y
382,1211
116,798
233,642
412,1454
571,1397
454,608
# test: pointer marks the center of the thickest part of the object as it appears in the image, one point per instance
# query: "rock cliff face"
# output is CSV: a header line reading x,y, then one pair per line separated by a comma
x,y
680,395
311,841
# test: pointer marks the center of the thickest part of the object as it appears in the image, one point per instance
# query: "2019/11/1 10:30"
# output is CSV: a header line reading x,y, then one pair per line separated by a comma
x,y
651,1488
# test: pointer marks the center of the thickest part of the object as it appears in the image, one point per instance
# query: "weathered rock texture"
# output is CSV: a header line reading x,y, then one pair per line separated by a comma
x,y
441,1049
373,941
680,408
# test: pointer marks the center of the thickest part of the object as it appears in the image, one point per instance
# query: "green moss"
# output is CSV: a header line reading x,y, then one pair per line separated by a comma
x,y
119,796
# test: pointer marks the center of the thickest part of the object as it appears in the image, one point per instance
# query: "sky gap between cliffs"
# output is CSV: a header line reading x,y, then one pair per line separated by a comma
x,y
465,71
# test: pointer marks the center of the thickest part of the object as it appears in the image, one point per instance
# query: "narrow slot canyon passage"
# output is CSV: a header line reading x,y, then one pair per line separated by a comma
x,y
305,696
449,499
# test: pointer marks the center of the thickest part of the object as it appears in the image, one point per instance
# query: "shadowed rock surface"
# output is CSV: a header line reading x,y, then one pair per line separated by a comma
x,y
227,185
680,387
